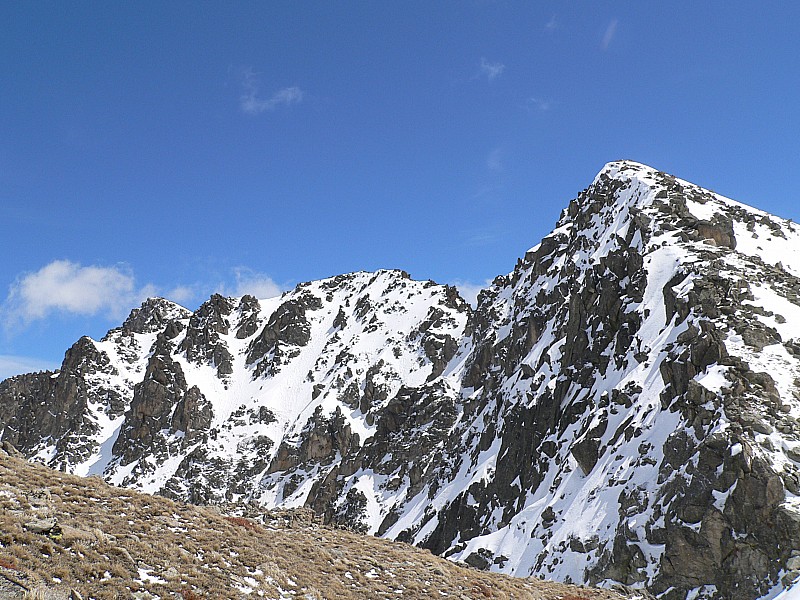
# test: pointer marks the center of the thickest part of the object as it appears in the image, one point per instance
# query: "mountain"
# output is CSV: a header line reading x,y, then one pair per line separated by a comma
x,y
621,408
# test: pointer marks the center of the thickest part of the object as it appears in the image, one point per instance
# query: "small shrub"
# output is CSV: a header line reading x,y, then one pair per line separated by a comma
x,y
117,570
481,588
8,563
46,549
62,572
21,554
187,594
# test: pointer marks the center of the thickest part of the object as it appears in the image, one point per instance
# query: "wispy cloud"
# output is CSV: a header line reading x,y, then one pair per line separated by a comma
x,y
68,287
481,238
469,290
254,283
183,294
538,104
494,162
552,24
63,288
238,281
252,104
608,36
11,365
492,70
486,193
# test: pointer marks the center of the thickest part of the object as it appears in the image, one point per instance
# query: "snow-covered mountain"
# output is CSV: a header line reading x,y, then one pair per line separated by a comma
x,y
623,407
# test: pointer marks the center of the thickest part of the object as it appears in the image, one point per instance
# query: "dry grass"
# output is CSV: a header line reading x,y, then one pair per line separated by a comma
x,y
114,543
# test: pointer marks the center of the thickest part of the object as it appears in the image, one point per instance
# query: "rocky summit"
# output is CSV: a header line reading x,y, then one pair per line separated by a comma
x,y
622,409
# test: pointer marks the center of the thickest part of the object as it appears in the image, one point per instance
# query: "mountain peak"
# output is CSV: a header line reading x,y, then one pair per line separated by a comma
x,y
153,314
615,167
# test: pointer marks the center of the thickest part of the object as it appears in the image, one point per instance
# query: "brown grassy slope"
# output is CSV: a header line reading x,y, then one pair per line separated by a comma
x,y
115,543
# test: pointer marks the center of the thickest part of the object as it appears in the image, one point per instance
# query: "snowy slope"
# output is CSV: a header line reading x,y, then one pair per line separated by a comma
x,y
622,407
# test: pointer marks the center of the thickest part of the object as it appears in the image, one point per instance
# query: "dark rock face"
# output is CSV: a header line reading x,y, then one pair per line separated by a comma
x,y
154,402
202,343
193,414
152,316
55,407
248,324
319,441
287,327
22,398
623,408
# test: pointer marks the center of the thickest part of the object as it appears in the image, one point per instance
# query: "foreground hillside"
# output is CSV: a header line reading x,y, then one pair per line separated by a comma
x,y
623,407
61,535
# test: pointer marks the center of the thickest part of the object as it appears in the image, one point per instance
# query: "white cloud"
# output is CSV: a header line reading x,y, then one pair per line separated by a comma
x,y
469,291
245,281
67,287
253,105
15,365
252,282
551,24
182,294
611,31
492,70
63,287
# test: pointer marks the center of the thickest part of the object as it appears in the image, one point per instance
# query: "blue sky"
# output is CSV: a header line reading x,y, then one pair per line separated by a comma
x,y
180,148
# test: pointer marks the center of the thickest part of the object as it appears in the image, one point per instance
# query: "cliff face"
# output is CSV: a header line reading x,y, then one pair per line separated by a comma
x,y
621,408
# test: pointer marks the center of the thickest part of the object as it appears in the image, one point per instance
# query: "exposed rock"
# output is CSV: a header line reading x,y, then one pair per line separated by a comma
x,y
153,315
721,232
193,414
48,527
249,309
153,404
202,342
286,327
